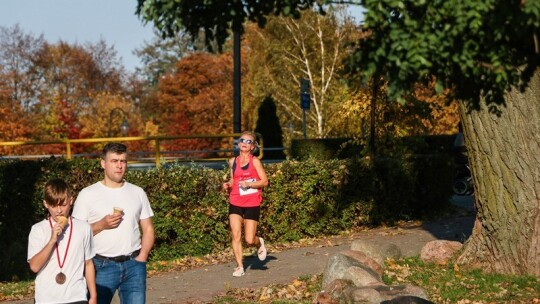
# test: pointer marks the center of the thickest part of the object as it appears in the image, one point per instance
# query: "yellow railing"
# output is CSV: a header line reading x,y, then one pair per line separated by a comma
x,y
157,139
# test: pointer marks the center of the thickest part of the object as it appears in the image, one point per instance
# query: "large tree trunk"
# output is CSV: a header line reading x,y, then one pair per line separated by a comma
x,y
504,154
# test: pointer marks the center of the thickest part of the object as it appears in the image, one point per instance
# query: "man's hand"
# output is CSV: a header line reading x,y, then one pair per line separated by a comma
x,y
109,221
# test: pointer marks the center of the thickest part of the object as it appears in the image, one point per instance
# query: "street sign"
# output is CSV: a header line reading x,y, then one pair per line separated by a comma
x,y
304,85
305,101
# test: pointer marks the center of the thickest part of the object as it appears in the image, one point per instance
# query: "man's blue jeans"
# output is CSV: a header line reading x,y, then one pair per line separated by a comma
x,y
128,277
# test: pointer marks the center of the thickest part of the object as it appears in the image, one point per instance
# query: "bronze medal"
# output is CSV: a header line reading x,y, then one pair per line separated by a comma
x,y
60,278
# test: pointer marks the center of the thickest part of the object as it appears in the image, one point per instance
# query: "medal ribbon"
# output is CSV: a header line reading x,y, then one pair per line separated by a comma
x,y
67,247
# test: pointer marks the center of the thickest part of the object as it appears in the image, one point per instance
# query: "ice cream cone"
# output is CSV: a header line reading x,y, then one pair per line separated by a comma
x,y
118,210
62,221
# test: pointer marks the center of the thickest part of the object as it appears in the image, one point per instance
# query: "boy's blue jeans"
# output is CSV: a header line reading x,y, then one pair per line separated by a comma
x,y
128,277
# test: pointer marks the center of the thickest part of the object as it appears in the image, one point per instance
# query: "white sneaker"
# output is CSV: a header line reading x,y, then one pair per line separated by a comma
x,y
238,272
261,253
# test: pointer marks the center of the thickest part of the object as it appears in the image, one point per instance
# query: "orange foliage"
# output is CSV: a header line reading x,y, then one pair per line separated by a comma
x,y
108,112
15,124
444,118
197,99
425,113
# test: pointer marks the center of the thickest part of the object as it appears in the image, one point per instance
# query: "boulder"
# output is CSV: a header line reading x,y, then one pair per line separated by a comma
x,y
439,251
377,251
333,292
360,277
407,300
361,295
384,294
354,276
341,261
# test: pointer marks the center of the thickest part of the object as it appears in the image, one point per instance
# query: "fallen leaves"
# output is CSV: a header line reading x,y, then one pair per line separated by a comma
x,y
303,289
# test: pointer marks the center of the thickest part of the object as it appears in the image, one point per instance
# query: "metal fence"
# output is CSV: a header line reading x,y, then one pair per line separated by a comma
x,y
158,156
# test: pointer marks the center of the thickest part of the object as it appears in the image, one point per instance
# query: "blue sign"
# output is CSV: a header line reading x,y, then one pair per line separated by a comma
x,y
305,100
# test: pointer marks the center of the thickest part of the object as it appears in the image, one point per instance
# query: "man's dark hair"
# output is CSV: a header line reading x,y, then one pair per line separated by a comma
x,y
113,147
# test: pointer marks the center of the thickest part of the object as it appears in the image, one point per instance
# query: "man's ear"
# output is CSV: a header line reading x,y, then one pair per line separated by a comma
x,y
102,162
45,204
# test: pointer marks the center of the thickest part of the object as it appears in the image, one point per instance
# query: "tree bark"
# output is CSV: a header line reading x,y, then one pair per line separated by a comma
x,y
504,155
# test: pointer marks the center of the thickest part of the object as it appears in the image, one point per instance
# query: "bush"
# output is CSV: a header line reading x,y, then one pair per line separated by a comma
x,y
324,149
304,199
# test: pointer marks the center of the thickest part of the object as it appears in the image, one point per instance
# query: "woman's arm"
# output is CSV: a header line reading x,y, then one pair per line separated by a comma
x,y
228,185
263,181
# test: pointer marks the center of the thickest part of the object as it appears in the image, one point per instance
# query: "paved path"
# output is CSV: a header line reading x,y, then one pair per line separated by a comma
x,y
202,284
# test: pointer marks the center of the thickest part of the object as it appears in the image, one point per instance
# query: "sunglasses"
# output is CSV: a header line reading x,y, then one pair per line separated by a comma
x,y
247,141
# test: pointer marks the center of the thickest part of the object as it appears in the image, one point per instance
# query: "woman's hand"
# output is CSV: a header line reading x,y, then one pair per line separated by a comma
x,y
245,185
226,187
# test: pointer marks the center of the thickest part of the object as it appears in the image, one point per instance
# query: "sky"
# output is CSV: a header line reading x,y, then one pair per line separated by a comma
x,y
82,21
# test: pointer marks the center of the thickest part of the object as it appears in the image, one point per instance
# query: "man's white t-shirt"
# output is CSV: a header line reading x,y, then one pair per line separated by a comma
x,y
97,200
80,250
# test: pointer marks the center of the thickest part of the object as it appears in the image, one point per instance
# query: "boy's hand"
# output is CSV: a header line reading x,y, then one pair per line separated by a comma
x,y
56,231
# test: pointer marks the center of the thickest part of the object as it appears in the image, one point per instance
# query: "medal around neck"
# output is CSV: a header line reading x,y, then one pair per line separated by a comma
x,y
60,278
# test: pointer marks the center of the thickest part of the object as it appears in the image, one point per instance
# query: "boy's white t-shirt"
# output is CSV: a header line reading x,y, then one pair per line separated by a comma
x,y
97,200
80,249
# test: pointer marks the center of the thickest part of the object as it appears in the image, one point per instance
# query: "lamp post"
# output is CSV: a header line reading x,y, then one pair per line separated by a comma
x,y
124,127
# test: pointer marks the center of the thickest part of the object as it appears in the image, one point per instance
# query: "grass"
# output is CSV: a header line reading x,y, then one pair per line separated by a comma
x,y
16,290
451,284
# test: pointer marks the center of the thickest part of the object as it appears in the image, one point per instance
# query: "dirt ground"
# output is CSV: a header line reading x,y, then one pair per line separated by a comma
x,y
202,284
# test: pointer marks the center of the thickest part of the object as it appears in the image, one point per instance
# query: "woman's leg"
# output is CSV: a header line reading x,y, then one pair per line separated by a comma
x,y
250,227
235,221
250,233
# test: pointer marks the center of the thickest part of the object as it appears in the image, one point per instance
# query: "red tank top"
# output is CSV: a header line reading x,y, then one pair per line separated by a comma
x,y
245,197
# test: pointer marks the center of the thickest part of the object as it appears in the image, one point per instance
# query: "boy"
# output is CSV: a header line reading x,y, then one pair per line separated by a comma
x,y
60,251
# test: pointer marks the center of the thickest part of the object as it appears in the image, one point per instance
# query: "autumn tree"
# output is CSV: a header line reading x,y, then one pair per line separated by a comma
x,y
14,123
54,91
195,99
288,50
426,113
54,83
159,56
106,115
17,52
72,72
442,111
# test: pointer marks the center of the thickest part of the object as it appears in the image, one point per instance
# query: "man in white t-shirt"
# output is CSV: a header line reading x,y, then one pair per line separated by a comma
x,y
121,219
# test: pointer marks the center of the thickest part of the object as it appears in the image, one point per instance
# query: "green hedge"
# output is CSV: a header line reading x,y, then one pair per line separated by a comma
x,y
304,199
324,148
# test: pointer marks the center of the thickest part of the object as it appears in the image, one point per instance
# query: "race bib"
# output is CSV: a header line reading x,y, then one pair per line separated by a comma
x,y
246,191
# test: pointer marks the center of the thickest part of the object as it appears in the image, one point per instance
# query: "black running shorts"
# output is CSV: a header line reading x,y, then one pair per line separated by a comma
x,y
248,213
